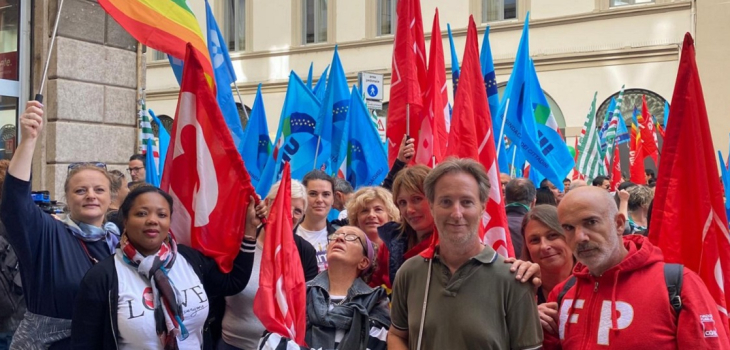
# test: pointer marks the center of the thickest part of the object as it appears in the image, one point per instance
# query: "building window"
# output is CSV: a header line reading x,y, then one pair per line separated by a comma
x,y
10,88
387,17
498,10
158,55
234,28
314,21
618,3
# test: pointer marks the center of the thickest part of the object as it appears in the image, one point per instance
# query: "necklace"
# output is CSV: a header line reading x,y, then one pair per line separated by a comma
x,y
339,303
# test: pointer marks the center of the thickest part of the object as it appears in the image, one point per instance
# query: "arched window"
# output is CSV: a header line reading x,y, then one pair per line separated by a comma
x,y
166,123
632,98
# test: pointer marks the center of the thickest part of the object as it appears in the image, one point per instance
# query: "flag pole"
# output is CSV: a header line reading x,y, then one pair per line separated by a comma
x,y
243,106
514,154
408,119
316,152
501,132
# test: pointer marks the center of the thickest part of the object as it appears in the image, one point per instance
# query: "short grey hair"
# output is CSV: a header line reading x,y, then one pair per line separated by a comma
x,y
342,185
520,190
297,191
454,166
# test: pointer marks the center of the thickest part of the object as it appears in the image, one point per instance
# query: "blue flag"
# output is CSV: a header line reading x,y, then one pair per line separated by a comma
x,y
177,67
666,114
164,141
320,87
224,77
151,175
332,118
256,140
455,70
725,177
295,140
604,127
542,146
367,162
309,75
622,132
490,84
513,98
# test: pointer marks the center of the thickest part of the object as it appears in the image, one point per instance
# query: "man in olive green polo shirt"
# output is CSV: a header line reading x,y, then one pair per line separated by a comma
x,y
474,302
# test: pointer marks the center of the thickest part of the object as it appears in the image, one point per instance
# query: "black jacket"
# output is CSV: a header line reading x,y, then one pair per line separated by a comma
x,y
394,170
515,215
94,324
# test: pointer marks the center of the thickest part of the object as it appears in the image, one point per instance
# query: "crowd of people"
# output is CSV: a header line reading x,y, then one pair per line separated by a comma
x,y
402,267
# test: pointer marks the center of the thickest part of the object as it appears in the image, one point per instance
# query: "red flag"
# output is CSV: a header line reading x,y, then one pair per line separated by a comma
x,y
205,174
408,77
433,137
648,137
616,173
688,221
636,157
472,136
280,302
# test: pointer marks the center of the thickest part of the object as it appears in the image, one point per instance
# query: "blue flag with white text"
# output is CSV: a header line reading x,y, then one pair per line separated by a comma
x,y
295,141
332,118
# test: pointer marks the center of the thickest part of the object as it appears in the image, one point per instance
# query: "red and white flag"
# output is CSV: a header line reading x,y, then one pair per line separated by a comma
x,y
471,136
433,138
648,136
204,173
280,302
408,79
688,220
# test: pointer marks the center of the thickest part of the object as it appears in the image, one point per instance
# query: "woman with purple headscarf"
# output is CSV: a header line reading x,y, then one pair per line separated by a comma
x,y
343,312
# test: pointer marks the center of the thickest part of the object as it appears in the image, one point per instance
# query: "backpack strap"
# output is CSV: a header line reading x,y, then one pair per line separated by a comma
x,y
566,287
673,279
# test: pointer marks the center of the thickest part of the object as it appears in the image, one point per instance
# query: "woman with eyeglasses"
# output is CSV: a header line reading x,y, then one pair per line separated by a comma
x,y
54,255
153,293
342,311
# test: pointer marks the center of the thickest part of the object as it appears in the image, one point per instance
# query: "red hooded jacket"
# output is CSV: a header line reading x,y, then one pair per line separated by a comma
x,y
628,307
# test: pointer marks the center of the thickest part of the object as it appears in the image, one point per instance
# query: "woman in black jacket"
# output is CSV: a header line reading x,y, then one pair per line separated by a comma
x,y
153,293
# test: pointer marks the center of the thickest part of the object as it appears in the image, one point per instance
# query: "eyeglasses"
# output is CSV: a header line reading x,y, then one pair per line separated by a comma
x,y
134,170
77,165
348,237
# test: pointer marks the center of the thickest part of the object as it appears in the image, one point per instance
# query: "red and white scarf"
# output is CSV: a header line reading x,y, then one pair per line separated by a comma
x,y
168,310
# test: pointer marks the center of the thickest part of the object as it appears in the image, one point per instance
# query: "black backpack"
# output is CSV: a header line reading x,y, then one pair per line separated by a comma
x,y
672,278
11,291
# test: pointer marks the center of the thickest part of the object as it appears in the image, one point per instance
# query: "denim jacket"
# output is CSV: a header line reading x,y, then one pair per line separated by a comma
x,y
364,311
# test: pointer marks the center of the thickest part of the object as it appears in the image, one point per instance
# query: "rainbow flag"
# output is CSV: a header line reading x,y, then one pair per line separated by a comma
x,y
164,25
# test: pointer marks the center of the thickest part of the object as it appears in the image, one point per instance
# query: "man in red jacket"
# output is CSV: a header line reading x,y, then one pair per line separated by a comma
x,y
619,299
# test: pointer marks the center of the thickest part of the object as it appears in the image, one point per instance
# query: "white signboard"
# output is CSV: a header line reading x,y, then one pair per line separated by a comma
x,y
381,128
372,86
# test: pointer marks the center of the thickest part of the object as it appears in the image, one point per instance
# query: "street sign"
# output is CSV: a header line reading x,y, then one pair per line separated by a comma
x,y
371,85
374,105
381,129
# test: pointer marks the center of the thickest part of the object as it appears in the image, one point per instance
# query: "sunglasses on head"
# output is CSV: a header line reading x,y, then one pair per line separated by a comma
x,y
77,165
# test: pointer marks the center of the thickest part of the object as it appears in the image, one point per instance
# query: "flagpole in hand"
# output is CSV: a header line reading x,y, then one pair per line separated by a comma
x,y
39,96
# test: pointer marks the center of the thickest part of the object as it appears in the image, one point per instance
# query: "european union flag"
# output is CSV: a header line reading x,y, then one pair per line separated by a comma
x,y
224,77
455,70
367,162
332,118
256,140
295,140
164,141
